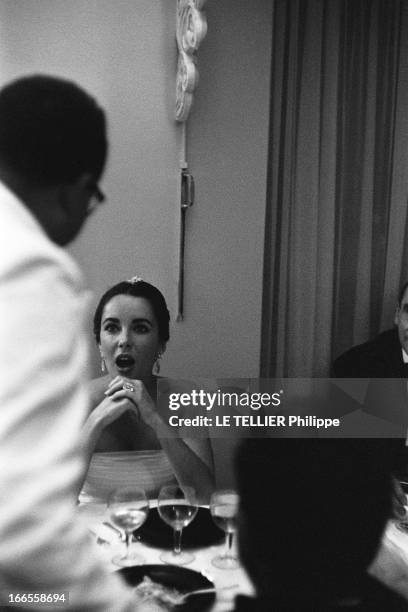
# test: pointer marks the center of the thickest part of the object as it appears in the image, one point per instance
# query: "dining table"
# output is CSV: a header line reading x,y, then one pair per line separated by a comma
x,y
108,542
390,565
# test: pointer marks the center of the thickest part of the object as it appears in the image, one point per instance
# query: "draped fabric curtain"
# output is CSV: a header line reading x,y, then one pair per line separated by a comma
x,y
336,241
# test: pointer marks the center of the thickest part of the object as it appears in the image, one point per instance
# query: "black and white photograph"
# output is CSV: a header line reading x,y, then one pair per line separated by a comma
x,y
204,305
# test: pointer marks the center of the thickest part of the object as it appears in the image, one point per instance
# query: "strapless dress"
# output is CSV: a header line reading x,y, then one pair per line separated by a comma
x,y
148,469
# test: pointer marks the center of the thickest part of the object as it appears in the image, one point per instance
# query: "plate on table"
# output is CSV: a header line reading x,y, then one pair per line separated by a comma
x,y
173,577
199,533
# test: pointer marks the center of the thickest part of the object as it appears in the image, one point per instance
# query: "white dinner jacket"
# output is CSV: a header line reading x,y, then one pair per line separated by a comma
x,y
43,403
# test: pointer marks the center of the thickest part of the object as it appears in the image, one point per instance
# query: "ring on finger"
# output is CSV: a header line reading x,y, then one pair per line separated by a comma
x,y
128,387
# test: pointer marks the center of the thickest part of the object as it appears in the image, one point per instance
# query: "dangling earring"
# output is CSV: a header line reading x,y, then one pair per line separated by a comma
x,y
156,367
103,366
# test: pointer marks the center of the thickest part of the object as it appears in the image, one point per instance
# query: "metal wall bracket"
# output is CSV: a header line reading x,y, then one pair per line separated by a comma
x,y
186,200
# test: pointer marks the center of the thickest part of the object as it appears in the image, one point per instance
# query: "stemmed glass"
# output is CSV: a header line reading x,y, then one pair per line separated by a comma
x,y
400,501
224,511
128,508
177,507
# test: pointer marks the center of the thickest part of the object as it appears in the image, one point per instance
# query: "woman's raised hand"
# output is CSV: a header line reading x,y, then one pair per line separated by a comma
x,y
105,413
122,388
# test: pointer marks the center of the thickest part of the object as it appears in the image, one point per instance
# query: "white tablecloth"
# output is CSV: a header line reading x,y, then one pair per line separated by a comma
x,y
390,565
109,544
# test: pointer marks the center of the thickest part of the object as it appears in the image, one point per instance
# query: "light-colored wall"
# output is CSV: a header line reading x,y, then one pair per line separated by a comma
x,y
227,140
227,152
124,52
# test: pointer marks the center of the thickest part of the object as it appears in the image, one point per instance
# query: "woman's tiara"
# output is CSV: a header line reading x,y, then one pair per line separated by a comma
x,y
134,280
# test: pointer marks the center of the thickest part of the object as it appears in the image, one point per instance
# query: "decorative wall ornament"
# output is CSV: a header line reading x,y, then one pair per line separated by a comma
x,y
191,30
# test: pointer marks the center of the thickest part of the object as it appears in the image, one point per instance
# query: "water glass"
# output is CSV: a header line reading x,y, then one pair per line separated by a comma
x,y
128,508
177,507
224,511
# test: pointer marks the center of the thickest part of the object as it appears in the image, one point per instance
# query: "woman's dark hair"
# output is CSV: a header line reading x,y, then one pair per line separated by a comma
x,y
136,289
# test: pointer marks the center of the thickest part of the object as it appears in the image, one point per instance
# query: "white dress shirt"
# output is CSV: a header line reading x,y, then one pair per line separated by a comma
x,y
43,403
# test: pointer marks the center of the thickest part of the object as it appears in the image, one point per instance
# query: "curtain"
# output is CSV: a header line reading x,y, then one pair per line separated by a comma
x,y
336,239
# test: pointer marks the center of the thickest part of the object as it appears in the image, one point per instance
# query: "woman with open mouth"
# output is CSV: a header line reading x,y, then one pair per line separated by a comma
x,y
124,435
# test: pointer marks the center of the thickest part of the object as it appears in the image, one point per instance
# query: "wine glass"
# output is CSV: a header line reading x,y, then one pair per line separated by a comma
x,y
177,507
400,507
224,511
128,508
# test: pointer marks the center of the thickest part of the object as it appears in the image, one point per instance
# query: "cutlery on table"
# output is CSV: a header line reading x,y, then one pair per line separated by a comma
x,y
179,600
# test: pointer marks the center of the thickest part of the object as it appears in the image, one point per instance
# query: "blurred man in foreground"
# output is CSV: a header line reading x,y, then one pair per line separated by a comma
x,y
52,154
312,514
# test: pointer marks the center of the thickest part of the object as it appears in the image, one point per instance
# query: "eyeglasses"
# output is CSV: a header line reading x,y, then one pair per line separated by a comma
x,y
95,200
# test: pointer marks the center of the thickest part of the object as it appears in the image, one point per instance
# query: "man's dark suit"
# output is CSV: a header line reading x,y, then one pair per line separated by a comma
x,y
378,358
